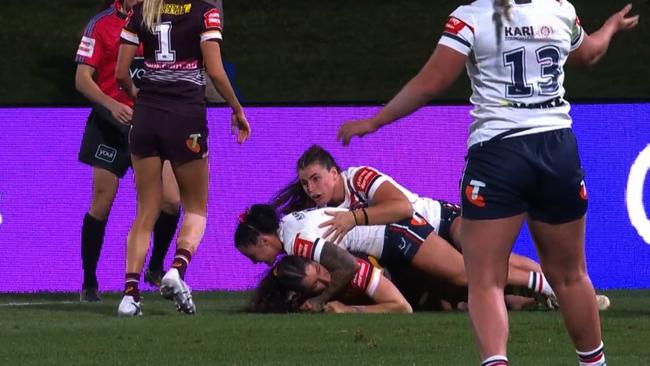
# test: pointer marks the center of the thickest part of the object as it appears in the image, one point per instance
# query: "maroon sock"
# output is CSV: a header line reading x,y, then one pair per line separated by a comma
x,y
131,285
181,260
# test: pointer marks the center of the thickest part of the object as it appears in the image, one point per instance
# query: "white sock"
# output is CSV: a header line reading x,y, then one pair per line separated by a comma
x,y
593,358
538,283
496,360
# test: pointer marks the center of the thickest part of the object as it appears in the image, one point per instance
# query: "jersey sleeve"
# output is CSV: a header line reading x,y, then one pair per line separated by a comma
x,y
367,277
130,32
577,34
211,28
365,181
90,48
305,244
459,31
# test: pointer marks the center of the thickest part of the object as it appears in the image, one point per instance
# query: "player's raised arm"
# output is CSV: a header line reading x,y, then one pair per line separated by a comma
x,y
594,46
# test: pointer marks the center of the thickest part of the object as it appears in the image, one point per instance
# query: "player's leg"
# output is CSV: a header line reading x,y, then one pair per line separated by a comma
x,y
561,250
557,225
93,229
486,248
148,185
165,226
104,147
193,183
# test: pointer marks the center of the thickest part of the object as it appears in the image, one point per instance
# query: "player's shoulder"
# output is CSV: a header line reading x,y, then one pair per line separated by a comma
x,y
99,20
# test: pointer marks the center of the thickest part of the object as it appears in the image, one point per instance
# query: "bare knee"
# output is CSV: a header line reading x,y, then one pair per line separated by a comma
x,y
565,277
170,207
101,204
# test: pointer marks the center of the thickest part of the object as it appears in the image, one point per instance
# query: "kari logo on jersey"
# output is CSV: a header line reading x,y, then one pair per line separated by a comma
x,y
212,19
106,153
364,178
471,193
527,32
86,47
303,248
455,25
192,143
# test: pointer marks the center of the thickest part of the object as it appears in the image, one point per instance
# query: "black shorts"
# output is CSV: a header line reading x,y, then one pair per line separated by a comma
x,y
105,143
403,239
179,137
539,174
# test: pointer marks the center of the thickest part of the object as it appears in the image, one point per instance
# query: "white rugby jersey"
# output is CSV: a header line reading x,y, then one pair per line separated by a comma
x,y
361,183
300,235
516,78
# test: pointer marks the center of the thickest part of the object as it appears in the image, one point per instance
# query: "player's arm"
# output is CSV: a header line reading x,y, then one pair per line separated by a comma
x,y
342,266
386,297
388,205
594,46
211,51
124,58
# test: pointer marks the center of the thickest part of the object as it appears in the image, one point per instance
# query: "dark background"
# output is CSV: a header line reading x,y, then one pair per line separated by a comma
x,y
305,51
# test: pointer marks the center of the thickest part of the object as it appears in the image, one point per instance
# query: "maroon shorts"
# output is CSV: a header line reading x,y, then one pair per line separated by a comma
x,y
175,136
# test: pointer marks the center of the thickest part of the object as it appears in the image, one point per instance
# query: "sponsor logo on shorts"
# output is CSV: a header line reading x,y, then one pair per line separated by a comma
x,y
106,153
471,193
583,190
418,221
193,143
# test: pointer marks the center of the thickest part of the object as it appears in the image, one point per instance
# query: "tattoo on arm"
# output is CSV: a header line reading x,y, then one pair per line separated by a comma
x,y
342,267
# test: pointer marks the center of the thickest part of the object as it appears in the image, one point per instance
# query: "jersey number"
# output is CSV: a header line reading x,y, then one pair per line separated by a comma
x,y
164,53
548,58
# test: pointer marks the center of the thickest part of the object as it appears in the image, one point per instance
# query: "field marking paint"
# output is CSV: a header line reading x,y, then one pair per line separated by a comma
x,y
9,304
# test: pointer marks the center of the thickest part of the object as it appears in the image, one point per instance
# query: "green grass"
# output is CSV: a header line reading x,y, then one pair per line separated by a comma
x,y
92,334
303,51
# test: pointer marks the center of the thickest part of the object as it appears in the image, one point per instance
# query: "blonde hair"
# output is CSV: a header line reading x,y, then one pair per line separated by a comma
x,y
151,12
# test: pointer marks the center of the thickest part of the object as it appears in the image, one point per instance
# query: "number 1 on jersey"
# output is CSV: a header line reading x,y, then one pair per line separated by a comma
x,y
164,53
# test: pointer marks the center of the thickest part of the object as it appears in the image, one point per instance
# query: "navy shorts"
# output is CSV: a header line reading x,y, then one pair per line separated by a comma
x,y
448,213
403,239
105,143
539,174
179,136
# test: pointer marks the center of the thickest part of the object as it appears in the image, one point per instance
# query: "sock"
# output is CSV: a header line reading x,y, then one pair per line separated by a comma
x,y
181,260
538,284
163,232
92,238
496,360
593,358
131,281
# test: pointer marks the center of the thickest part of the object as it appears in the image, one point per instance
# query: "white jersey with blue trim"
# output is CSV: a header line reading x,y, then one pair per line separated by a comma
x,y
300,235
361,184
515,63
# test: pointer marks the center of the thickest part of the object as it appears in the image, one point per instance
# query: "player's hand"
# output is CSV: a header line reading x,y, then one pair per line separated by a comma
x,y
355,128
336,307
339,225
314,305
240,126
122,113
622,22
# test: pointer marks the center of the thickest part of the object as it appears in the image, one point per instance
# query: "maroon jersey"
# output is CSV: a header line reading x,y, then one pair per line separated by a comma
x,y
99,47
172,53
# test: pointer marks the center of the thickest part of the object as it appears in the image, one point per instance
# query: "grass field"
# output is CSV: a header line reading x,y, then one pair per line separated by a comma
x,y
62,331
